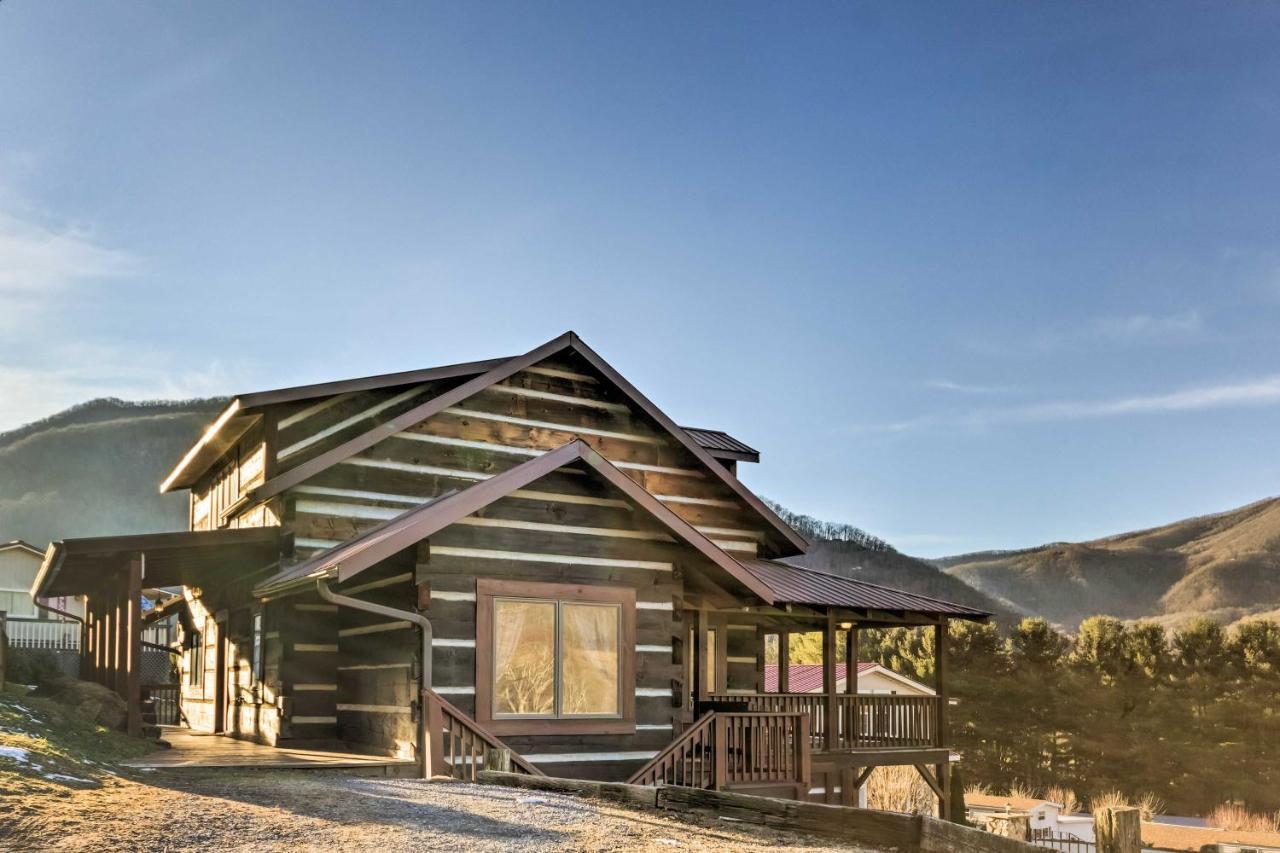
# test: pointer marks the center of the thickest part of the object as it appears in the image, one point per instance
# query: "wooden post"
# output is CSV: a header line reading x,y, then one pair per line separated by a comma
x,y
721,682
762,642
1117,830
851,660
497,759
943,770
721,753
133,651
832,740
784,661
4,644
432,757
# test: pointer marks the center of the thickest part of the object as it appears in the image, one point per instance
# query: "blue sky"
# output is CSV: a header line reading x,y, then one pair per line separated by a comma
x,y
970,275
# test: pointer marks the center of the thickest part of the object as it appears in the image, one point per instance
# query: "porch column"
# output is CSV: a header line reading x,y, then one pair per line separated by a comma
x,y
942,771
851,660
829,683
133,635
784,661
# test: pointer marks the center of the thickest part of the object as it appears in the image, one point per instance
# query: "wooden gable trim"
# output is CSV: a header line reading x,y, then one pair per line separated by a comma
x,y
700,453
504,370
404,420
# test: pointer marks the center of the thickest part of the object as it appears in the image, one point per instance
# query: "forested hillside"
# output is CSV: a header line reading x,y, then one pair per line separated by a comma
x,y
1224,566
94,469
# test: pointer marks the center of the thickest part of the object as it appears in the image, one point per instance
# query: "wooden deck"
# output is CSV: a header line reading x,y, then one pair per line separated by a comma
x,y
194,750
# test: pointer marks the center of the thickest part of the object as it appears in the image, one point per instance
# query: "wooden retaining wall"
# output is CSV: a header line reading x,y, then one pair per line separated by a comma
x,y
880,830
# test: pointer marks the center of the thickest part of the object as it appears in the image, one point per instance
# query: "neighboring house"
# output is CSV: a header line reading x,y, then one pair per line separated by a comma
x,y
873,679
524,549
1045,816
19,563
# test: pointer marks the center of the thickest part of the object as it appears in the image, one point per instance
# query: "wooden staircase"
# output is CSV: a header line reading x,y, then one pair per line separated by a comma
x,y
761,752
459,744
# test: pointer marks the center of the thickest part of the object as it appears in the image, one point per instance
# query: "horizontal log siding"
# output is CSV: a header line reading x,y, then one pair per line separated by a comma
x,y
378,661
308,635
452,584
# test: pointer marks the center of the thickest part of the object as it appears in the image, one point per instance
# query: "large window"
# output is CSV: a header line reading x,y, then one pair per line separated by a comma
x,y
555,657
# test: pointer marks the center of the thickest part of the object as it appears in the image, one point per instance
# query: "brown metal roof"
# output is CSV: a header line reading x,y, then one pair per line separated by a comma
x,y
722,445
396,534
76,566
794,585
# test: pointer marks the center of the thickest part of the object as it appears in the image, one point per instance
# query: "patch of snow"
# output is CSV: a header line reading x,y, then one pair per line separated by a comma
x,y
17,753
529,800
671,842
63,777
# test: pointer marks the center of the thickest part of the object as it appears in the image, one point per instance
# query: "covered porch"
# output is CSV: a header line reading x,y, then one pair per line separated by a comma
x,y
822,741
111,572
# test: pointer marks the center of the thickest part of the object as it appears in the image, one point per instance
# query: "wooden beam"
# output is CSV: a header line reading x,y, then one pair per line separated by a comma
x,y
829,682
930,781
133,636
940,684
851,661
700,626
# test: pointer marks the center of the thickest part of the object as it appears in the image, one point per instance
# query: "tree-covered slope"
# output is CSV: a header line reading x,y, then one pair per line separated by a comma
x,y
94,470
1226,566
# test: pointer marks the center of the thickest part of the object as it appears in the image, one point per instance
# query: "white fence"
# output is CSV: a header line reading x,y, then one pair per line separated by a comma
x,y
65,636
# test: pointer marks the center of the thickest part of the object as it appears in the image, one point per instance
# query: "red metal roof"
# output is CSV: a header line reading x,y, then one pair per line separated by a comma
x,y
795,585
806,677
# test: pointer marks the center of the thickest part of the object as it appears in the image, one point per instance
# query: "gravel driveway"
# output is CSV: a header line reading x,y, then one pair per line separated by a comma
x,y
315,810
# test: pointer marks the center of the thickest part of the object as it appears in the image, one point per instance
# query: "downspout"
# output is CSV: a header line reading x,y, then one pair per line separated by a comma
x,y
424,678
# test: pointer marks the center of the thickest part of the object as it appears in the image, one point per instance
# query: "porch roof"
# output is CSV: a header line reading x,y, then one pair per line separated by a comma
x,y
795,585
78,566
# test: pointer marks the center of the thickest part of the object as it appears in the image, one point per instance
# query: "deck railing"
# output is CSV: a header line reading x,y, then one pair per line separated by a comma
x,y
60,635
458,743
863,721
165,703
735,749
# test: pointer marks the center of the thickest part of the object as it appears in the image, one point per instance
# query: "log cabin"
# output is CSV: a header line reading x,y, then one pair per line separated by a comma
x,y
523,554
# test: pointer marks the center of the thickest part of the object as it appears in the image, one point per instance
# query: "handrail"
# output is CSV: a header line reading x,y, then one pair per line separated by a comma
x,y
464,737
647,775
862,720
735,748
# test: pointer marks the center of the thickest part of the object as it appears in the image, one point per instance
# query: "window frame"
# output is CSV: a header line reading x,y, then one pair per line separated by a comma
x,y
491,590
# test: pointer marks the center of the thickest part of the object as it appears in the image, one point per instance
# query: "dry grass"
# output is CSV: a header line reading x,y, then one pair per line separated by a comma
x,y
1108,800
899,788
1148,805
1064,797
1240,819
977,789
1026,792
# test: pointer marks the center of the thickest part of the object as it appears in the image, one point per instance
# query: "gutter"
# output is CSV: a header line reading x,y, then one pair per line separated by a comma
x,y
424,676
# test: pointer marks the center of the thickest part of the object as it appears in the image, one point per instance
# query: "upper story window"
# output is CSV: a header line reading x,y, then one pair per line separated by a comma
x,y
555,657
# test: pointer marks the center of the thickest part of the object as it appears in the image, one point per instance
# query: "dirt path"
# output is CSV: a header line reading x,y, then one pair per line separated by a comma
x,y
312,810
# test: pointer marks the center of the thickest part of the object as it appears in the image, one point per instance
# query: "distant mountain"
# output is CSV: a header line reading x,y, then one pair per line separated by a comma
x,y
94,469
1225,566
843,549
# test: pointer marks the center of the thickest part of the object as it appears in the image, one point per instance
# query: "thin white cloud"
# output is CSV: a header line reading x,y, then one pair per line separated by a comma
x,y
1263,391
39,264
1143,328
966,388
78,372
